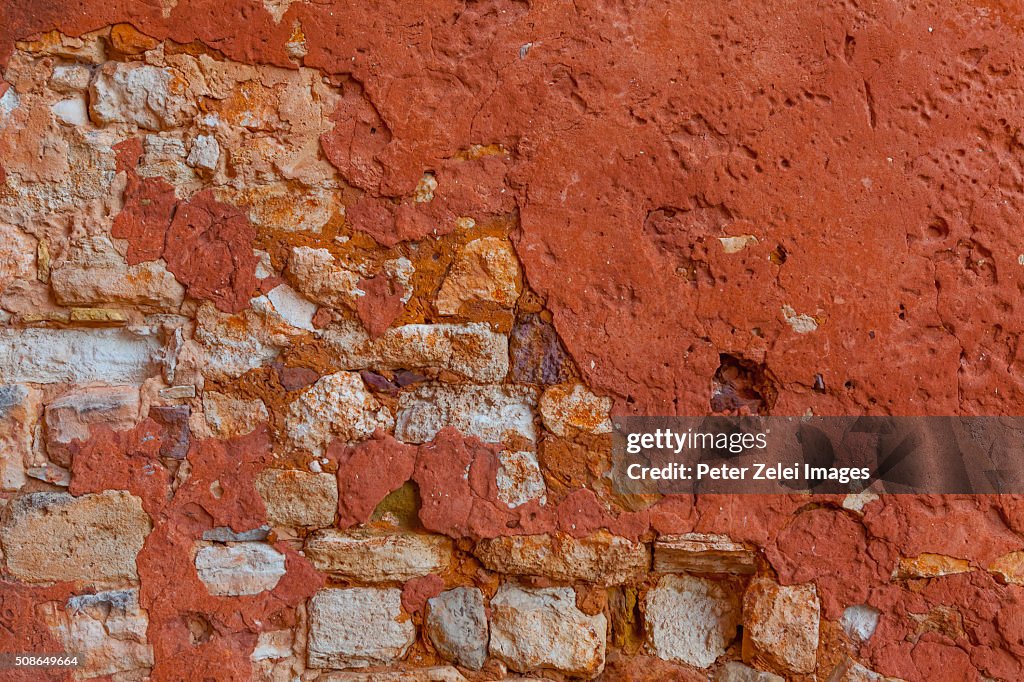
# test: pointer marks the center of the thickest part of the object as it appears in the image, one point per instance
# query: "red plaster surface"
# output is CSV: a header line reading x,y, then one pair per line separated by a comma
x,y
950,629
207,244
846,572
417,591
170,588
458,505
148,207
367,473
874,145
380,305
22,630
209,250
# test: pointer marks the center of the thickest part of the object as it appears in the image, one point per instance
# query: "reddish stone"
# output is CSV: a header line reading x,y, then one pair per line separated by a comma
x,y
175,438
536,353
535,518
380,305
391,221
322,318
295,378
456,504
404,377
1011,509
581,513
127,155
417,591
938,660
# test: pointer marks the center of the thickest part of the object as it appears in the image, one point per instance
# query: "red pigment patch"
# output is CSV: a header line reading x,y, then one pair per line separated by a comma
x,y
390,223
581,513
747,518
207,244
123,460
465,187
376,217
417,591
451,503
360,146
367,473
195,636
149,204
380,306
454,503
949,628
474,187
358,139
23,631
673,515
833,550
973,527
209,250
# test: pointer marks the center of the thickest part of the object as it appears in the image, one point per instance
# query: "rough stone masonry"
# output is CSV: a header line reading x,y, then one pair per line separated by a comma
x,y
313,315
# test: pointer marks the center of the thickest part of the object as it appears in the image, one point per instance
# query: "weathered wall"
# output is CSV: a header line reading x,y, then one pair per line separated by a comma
x,y
313,317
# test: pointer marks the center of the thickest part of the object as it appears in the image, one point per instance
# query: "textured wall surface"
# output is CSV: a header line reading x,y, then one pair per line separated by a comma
x,y
313,315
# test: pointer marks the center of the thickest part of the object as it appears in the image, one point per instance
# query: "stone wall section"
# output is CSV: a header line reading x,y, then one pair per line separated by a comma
x,y
264,416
